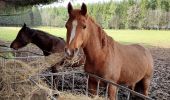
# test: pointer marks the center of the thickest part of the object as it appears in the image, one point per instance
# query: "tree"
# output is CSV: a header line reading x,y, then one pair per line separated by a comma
x,y
165,5
144,6
133,17
37,20
153,4
12,6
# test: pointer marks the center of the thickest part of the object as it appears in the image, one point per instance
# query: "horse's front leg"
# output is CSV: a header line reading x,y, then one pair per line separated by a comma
x,y
92,87
112,92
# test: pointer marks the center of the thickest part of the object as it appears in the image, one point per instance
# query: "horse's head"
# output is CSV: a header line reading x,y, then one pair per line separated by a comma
x,y
22,39
76,30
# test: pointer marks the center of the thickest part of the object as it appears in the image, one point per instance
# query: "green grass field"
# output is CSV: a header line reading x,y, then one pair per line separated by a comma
x,y
146,37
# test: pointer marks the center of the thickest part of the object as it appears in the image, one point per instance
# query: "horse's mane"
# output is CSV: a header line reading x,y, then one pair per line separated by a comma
x,y
39,32
103,37
93,21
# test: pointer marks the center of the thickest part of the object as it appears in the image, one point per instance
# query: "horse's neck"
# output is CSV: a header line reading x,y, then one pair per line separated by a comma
x,y
41,43
96,44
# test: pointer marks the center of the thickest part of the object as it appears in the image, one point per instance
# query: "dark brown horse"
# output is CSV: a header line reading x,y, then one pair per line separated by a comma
x,y
122,64
46,42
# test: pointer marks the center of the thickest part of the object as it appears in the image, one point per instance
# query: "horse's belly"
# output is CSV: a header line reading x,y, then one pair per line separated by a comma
x,y
131,75
129,80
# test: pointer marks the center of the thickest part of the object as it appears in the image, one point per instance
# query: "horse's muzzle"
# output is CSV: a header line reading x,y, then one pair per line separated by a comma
x,y
14,46
70,53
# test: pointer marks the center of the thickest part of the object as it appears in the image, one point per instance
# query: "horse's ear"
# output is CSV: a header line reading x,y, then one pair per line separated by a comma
x,y
83,9
69,7
24,25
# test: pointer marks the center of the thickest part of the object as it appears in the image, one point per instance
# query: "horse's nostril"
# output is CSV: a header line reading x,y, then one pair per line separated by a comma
x,y
76,49
69,52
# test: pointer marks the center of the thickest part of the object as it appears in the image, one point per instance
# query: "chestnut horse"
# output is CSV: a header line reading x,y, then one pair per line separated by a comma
x,y
46,42
122,64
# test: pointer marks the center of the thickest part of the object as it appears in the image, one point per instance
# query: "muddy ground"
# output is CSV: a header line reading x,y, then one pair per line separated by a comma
x,y
160,85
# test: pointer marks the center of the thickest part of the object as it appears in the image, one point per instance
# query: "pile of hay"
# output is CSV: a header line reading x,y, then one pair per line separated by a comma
x,y
15,83
42,95
14,77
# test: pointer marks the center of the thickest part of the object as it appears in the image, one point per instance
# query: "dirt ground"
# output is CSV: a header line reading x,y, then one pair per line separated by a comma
x,y
160,85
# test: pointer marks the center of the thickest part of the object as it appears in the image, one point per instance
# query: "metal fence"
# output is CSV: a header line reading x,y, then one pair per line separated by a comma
x,y
75,82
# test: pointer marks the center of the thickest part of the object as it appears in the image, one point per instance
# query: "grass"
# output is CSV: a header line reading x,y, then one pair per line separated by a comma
x,y
146,37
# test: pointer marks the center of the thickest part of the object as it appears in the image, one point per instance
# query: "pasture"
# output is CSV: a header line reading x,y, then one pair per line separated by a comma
x,y
147,37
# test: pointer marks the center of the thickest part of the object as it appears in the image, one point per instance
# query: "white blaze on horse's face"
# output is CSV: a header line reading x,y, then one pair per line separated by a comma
x,y
73,31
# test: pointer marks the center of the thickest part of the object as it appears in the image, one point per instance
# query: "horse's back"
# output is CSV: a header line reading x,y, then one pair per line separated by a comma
x,y
57,43
143,53
136,63
146,52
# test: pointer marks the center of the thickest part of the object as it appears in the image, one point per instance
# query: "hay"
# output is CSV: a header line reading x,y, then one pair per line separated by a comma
x,y
14,78
15,85
55,58
70,96
42,94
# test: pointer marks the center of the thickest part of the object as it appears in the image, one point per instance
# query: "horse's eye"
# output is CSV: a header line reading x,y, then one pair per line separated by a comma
x,y
84,26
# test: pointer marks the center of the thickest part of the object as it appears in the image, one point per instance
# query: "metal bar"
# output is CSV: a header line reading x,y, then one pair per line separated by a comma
x,y
52,81
106,95
20,57
2,45
98,86
87,84
61,73
63,82
16,51
117,91
73,83
128,97
43,77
